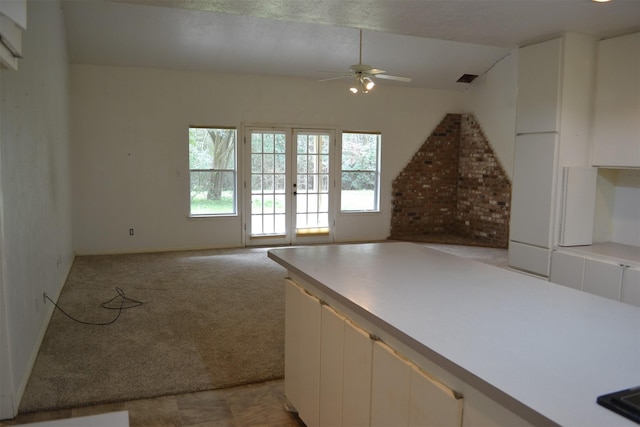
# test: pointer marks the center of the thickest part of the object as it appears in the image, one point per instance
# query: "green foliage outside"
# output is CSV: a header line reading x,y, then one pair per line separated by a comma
x,y
212,163
200,205
360,154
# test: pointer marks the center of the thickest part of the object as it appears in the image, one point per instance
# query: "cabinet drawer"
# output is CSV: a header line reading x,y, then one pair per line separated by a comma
x,y
529,258
567,270
631,286
602,278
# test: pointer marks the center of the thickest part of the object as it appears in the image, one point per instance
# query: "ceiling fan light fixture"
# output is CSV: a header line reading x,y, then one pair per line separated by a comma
x,y
368,83
362,84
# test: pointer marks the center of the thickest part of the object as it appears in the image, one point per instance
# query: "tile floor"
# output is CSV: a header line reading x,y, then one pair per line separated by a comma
x,y
259,404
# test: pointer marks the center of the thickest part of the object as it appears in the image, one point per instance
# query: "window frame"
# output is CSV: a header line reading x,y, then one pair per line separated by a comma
x,y
377,172
234,171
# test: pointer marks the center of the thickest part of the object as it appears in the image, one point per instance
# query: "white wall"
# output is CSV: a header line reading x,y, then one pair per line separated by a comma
x,y
130,150
491,98
35,191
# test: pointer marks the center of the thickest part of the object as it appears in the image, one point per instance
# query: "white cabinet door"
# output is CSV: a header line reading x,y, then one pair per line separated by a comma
x,y
331,367
617,112
13,20
302,352
390,387
602,278
356,390
293,294
577,210
432,403
539,69
310,315
631,286
567,270
534,178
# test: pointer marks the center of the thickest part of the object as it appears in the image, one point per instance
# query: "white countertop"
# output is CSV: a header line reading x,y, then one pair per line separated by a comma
x,y
550,349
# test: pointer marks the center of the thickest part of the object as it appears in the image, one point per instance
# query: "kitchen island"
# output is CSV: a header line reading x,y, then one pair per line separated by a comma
x,y
517,349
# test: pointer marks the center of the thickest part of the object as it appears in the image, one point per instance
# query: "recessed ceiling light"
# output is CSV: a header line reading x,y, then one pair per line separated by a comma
x,y
600,1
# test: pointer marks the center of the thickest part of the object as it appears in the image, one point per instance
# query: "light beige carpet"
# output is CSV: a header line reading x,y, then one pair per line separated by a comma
x,y
210,319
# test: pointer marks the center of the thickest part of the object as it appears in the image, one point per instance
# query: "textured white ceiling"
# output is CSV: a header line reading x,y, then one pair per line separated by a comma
x,y
434,42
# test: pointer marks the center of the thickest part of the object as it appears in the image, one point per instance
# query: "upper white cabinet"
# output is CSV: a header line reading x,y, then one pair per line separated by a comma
x,y
537,105
13,20
617,107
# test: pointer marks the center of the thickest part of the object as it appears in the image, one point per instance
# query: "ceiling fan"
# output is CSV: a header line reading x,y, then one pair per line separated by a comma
x,y
364,75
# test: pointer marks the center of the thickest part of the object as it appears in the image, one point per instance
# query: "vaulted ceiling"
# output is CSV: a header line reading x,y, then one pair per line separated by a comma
x,y
432,41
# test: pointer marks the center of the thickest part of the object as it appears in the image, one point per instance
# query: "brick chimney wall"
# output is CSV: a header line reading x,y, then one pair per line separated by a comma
x,y
453,190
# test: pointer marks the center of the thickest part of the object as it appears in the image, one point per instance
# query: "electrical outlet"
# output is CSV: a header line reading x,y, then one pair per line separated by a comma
x,y
131,232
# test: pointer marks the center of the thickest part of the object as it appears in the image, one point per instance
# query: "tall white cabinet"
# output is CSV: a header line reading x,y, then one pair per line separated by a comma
x,y
553,121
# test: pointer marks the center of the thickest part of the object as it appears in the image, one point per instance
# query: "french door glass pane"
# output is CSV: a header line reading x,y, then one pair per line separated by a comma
x,y
312,204
268,183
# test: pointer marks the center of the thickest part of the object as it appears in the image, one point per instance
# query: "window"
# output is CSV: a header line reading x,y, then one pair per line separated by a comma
x,y
360,191
212,171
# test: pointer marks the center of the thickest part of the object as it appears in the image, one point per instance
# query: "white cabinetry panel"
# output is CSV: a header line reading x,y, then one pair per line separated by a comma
x,y
16,10
602,278
13,20
293,293
529,258
617,112
567,270
308,407
578,205
631,286
432,403
302,352
331,367
537,106
358,360
390,388
534,175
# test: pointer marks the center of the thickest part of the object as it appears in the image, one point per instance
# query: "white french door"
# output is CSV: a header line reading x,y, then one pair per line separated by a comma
x,y
289,186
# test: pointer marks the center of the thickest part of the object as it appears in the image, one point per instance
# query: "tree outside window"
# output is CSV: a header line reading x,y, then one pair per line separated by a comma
x,y
360,172
212,170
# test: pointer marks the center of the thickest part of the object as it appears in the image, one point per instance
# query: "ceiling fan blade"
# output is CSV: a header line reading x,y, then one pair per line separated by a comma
x,y
396,78
375,71
346,76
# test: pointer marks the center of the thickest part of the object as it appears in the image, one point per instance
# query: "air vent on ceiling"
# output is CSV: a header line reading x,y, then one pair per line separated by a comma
x,y
467,78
